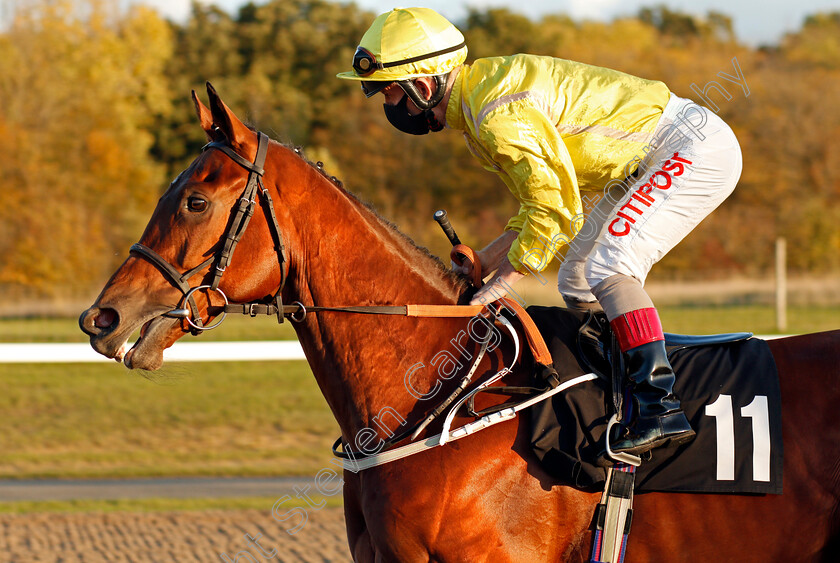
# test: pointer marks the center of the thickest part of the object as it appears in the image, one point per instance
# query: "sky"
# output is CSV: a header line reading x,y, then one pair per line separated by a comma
x,y
757,22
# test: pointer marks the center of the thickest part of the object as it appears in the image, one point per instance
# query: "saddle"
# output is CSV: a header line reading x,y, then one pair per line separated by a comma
x,y
714,376
568,431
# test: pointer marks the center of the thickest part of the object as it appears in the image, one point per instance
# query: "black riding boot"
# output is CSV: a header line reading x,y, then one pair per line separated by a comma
x,y
655,418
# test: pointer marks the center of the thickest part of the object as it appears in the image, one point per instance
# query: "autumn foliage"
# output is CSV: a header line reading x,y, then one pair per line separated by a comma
x,y
97,120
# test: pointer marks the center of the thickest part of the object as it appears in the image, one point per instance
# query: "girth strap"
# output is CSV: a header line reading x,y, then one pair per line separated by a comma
x,y
355,462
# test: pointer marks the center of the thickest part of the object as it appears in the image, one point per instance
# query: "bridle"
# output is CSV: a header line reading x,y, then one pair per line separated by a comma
x,y
240,217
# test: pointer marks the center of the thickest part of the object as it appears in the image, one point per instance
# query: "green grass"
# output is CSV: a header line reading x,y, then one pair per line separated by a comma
x,y
160,504
100,420
757,319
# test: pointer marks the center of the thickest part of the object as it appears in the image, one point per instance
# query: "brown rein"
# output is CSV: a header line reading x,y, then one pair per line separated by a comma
x,y
297,311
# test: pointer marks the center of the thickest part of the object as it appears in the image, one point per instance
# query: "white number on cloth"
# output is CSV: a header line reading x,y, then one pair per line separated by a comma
x,y
724,416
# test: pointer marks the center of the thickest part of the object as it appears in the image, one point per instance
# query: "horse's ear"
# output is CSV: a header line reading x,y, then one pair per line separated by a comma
x,y
238,135
205,118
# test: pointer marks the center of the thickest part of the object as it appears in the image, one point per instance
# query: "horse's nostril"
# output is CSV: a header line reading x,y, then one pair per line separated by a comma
x,y
95,320
105,319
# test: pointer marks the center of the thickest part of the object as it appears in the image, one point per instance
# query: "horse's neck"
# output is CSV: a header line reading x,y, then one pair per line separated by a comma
x,y
345,255
350,256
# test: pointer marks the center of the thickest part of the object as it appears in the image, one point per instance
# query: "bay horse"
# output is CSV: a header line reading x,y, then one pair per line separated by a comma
x,y
484,498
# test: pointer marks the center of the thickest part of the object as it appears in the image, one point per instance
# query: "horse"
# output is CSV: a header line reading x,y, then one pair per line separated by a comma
x,y
484,498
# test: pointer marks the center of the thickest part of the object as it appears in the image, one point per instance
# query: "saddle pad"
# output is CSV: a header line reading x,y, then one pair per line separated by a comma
x,y
729,392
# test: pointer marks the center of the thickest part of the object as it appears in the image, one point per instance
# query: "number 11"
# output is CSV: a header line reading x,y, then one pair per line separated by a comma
x,y
723,413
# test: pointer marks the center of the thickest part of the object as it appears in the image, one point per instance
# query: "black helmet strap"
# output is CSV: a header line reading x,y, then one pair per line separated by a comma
x,y
412,92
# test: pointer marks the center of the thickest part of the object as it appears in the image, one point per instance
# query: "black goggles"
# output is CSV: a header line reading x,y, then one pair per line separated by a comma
x,y
372,88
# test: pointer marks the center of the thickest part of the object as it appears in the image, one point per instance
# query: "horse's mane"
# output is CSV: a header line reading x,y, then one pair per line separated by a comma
x,y
458,280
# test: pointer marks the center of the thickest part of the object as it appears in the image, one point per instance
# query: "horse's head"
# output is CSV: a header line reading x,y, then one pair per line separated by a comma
x,y
173,282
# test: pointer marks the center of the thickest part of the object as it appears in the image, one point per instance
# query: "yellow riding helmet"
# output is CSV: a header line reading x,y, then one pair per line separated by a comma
x,y
407,43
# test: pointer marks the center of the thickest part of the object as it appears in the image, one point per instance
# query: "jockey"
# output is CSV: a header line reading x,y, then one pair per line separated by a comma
x,y
551,128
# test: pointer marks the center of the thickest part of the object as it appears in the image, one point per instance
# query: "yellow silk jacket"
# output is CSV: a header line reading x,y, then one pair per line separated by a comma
x,y
550,128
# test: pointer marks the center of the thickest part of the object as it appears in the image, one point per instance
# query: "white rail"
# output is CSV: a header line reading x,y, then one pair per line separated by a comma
x,y
179,352
251,351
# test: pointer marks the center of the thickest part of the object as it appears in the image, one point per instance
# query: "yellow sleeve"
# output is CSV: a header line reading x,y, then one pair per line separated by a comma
x,y
517,221
538,169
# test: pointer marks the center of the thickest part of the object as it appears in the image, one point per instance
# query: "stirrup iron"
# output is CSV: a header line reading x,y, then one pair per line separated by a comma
x,y
621,457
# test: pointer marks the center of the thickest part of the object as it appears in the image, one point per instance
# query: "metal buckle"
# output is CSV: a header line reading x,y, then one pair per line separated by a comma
x,y
302,312
623,457
252,311
185,304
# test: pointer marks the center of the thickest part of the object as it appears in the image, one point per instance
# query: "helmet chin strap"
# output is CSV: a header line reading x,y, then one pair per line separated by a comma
x,y
410,88
432,120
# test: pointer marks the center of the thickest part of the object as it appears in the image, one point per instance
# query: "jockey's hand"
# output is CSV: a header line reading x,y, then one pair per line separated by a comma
x,y
465,270
499,285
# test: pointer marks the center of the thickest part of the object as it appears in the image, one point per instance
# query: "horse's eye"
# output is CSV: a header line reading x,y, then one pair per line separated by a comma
x,y
196,204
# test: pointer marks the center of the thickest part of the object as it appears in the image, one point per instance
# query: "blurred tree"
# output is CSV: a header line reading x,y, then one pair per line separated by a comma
x,y
97,114
498,31
275,63
817,43
80,82
670,22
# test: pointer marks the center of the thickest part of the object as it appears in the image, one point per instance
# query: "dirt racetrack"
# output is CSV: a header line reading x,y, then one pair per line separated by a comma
x,y
169,537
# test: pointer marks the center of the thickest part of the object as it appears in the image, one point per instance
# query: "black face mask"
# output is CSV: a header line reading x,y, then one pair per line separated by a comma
x,y
419,124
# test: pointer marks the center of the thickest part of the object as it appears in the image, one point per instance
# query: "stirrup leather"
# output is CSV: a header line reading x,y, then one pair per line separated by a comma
x,y
614,515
